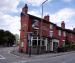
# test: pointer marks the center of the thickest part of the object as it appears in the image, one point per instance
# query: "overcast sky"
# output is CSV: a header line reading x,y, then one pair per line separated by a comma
x,y
58,10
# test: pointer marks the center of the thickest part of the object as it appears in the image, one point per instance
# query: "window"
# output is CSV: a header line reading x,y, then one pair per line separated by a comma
x,y
34,43
51,26
43,42
71,35
51,33
64,33
59,33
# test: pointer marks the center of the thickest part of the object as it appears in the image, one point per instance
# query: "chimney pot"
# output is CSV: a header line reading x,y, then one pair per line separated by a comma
x,y
25,9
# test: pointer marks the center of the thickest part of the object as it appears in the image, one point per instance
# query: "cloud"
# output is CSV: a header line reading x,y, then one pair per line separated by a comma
x,y
64,14
35,2
8,5
10,23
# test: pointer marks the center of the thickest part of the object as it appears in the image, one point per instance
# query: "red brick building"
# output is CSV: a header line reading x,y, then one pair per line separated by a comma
x,y
41,34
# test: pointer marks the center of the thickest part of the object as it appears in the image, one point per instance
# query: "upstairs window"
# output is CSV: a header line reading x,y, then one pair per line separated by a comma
x,y
34,43
51,26
71,35
59,33
64,33
51,33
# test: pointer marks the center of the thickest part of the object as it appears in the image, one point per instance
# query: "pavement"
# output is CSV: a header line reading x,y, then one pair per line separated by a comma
x,y
46,55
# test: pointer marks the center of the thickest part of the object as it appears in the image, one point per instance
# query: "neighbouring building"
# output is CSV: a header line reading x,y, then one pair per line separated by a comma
x,y
17,39
41,35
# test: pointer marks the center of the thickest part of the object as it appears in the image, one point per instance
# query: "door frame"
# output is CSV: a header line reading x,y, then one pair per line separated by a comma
x,y
51,43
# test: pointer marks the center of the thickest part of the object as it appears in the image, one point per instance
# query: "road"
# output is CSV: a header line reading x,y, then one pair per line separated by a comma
x,y
69,58
7,57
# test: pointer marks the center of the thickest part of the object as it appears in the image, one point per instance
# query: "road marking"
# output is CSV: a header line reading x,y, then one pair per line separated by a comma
x,y
2,57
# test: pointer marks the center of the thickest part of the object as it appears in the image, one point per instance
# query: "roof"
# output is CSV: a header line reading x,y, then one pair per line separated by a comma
x,y
67,30
38,18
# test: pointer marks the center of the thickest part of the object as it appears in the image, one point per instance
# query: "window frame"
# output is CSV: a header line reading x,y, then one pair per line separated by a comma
x,y
51,33
64,33
51,26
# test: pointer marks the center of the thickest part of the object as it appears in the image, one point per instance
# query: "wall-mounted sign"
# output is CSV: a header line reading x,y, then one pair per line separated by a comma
x,y
35,23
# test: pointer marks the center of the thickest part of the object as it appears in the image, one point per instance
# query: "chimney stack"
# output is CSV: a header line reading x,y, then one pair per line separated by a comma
x,y
46,18
63,24
25,9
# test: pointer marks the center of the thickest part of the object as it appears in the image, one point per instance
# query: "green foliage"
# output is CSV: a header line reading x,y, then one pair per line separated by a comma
x,y
6,38
73,46
67,42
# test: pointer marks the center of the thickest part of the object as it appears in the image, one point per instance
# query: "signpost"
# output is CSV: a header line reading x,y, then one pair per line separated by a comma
x,y
29,42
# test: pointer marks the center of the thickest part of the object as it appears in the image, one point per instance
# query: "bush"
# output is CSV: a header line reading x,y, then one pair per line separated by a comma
x,y
73,47
61,49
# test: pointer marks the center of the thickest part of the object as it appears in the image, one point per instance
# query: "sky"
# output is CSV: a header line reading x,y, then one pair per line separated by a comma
x,y
58,10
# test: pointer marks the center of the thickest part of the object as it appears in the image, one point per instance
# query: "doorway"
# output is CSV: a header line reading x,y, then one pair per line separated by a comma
x,y
54,45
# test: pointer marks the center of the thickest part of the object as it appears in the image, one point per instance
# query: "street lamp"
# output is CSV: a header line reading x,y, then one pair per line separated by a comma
x,y
42,8
41,22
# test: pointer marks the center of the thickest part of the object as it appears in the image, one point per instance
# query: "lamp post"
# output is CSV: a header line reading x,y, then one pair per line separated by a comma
x,y
41,23
42,7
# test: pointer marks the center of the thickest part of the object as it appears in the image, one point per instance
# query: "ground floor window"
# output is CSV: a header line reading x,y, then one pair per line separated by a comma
x,y
43,43
38,42
34,43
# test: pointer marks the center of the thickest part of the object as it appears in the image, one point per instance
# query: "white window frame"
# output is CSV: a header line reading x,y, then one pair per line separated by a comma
x,y
51,33
51,26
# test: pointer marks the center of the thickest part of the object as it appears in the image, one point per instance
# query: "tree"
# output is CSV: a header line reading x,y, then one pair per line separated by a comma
x,y
10,38
6,38
1,36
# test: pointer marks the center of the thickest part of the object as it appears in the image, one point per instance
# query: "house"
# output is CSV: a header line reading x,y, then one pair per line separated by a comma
x,y
40,35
